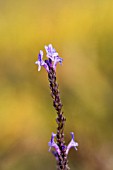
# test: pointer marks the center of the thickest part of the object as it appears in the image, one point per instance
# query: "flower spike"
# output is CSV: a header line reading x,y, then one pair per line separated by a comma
x,y
57,142
72,143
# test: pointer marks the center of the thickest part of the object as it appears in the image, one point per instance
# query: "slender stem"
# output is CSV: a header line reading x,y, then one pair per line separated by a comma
x,y
62,163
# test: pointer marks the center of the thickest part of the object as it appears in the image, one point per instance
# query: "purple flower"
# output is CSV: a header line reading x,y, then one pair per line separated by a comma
x,y
72,143
40,62
51,52
53,144
53,55
57,59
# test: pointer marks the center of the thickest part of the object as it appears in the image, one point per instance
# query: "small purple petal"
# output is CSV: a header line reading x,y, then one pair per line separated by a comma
x,y
53,144
57,59
40,56
71,144
40,62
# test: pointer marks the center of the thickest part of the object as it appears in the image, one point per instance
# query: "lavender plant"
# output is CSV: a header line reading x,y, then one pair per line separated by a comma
x,y
57,143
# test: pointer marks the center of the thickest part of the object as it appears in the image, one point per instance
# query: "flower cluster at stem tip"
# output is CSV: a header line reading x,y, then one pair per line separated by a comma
x,y
53,58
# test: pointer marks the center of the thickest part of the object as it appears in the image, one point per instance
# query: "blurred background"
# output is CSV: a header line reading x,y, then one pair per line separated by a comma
x,y
82,33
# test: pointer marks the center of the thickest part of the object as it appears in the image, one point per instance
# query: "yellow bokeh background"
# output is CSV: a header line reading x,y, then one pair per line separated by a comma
x,y
82,33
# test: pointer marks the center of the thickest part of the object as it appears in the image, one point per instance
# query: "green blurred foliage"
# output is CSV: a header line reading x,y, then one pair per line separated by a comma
x,y
82,33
